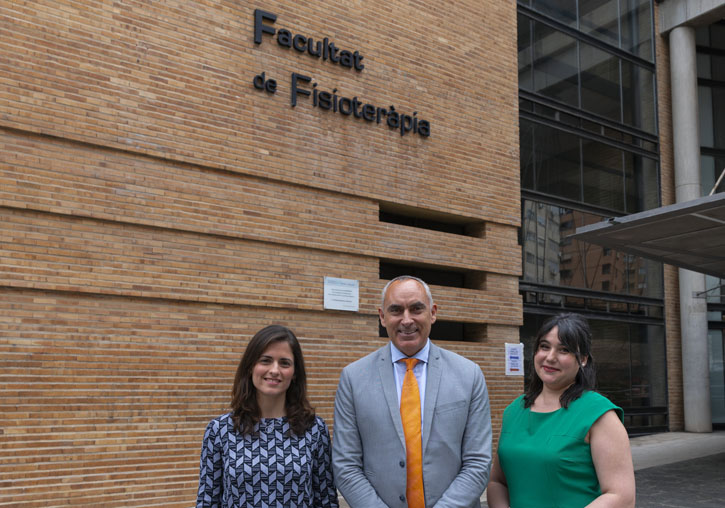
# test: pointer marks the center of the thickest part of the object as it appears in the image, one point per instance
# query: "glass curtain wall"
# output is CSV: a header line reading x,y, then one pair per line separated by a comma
x,y
589,151
711,96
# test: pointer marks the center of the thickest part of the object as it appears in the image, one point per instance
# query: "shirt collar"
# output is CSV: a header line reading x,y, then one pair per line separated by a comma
x,y
422,355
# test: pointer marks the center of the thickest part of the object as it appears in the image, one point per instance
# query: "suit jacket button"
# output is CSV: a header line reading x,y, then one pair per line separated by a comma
x,y
402,463
402,497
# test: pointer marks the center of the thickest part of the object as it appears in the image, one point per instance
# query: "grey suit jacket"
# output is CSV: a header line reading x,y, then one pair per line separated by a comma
x,y
368,449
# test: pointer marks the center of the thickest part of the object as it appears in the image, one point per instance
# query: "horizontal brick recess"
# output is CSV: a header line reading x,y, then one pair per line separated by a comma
x,y
61,253
69,178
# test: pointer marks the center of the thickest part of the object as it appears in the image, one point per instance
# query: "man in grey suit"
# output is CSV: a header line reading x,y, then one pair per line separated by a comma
x,y
369,456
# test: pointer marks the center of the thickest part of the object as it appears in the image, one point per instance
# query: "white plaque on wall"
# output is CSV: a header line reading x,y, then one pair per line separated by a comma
x,y
514,359
342,294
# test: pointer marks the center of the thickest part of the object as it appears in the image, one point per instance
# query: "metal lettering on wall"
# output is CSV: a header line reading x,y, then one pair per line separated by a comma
x,y
301,86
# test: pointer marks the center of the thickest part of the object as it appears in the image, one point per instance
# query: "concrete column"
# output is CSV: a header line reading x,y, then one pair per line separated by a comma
x,y
693,310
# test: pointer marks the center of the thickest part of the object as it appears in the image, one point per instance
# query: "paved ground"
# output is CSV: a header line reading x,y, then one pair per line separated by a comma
x,y
695,483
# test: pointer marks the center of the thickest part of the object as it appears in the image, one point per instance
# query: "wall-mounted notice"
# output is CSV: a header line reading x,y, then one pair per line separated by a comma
x,y
342,294
514,359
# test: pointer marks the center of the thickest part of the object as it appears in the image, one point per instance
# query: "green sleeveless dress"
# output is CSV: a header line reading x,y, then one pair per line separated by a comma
x,y
544,456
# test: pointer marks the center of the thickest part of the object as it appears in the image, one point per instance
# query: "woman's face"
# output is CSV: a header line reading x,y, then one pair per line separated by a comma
x,y
273,372
555,365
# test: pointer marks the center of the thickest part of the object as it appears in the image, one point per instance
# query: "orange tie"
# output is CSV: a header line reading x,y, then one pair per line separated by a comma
x,y
410,414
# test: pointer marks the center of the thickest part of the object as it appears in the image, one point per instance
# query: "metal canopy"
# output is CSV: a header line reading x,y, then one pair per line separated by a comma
x,y
688,235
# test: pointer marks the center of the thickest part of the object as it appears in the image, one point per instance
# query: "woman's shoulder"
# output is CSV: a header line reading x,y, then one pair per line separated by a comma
x,y
319,425
516,406
592,398
595,402
218,427
517,403
220,421
225,418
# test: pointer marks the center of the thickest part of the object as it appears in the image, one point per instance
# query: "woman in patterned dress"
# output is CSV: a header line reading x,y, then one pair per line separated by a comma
x,y
270,450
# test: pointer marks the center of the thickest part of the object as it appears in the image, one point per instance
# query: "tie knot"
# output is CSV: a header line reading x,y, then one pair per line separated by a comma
x,y
410,363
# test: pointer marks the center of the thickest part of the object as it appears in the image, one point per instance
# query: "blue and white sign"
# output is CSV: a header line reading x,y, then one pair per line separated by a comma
x,y
514,359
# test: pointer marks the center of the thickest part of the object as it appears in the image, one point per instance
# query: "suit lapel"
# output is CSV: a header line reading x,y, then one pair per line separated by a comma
x,y
433,382
387,379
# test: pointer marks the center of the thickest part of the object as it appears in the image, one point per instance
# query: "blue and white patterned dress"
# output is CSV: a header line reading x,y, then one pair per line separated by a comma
x,y
269,468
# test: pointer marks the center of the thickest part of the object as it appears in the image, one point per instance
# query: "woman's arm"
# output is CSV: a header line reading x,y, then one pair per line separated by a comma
x,y
613,462
323,484
497,493
209,494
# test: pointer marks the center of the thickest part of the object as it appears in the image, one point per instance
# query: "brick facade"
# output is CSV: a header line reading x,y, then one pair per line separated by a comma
x,y
671,277
156,210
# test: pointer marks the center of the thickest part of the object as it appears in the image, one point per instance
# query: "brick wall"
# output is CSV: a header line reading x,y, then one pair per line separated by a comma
x,y
156,210
671,278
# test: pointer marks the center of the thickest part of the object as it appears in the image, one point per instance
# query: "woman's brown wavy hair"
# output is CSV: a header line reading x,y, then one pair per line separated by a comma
x,y
245,409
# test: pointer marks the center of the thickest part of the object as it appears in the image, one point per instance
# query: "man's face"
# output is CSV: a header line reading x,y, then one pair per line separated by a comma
x,y
407,316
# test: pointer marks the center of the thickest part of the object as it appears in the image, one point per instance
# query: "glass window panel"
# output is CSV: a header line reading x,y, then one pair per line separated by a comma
x,y
636,23
552,258
541,243
612,133
717,36
703,66
718,118
595,127
638,97
648,145
704,102
568,119
644,277
716,341
655,311
555,65
702,36
718,72
525,105
558,116
526,137
603,175
557,161
525,51
600,19
561,10
546,111
711,102
640,183
707,174
600,82
648,365
711,169
611,353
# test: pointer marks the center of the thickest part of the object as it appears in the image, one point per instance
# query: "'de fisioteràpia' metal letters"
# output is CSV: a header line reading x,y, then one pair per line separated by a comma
x,y
304,87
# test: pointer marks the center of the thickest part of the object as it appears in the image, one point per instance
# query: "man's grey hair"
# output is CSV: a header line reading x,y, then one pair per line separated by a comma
x,y
407,277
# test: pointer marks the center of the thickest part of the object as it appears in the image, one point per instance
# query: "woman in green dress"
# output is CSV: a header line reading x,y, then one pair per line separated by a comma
x,y
562,444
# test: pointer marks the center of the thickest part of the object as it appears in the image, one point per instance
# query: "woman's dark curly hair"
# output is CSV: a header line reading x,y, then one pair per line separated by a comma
x,y
245,409
574,334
